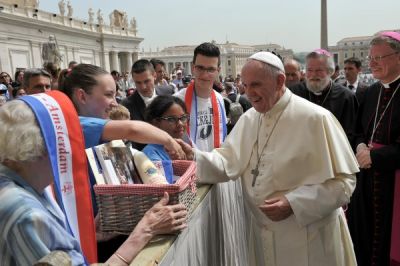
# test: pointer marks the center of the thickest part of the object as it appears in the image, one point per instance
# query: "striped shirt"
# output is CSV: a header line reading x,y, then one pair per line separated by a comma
x,y
30,226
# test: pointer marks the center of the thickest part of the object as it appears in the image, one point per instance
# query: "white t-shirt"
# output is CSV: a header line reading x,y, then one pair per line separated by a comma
x,y
201,128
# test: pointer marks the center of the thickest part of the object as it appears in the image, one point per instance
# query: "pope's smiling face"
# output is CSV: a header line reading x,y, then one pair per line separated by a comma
x,y
262,89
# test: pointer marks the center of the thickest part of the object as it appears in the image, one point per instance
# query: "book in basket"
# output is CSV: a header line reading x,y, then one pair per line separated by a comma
x,y
112,163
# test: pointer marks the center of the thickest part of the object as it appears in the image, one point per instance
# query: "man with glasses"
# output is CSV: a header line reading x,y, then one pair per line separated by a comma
x,y
374,210
36,80
321,90
206,106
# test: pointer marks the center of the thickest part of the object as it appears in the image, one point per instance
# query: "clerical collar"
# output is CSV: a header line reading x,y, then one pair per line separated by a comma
x,y
147,100
280,104
387,85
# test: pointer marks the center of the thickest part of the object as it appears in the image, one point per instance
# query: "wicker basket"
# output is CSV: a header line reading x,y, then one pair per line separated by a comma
x,y
122,206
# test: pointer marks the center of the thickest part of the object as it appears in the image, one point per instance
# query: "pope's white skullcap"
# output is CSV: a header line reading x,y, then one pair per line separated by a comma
x,y
268,58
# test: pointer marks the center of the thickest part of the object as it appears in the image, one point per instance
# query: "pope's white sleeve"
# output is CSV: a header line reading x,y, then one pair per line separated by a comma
x,y
212,167
311,203
230,160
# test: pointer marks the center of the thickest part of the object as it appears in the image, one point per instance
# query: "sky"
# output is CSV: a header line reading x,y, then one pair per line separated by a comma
x,y
293,24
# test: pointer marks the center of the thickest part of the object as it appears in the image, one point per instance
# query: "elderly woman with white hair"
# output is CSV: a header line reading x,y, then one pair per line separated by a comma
x,y
32,224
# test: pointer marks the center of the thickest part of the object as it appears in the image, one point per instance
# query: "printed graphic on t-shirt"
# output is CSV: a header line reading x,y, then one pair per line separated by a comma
x,y
204,123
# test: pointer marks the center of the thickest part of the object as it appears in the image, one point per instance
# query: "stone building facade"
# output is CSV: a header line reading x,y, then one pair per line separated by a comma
x,y
25,28
353,47
233,56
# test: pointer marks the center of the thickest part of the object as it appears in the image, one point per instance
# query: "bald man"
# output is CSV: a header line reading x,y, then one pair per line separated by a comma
x,y
292,72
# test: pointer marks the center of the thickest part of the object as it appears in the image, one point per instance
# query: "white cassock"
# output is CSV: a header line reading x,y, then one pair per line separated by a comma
x,y
309,160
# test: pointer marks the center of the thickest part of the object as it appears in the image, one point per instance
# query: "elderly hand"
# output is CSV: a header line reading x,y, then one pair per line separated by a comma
x,y
277,209
163,218
187,149
174,150
364,156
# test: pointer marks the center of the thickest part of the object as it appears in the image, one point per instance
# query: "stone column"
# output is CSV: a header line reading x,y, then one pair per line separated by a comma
x,y
186,67
126,61
114,61
106,61
135,57
324,25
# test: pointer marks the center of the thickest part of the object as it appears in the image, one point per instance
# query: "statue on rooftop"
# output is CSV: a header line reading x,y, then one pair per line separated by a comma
x,y
61,7
133,25
70,9
100,19
112,19
124,20
31,3
91,15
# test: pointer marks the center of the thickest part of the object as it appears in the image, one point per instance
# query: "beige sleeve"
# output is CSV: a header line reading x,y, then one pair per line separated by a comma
x,y
311,203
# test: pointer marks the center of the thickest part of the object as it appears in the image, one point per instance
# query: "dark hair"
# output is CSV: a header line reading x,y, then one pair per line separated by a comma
x,y
228,86
15,91
72,63
160,105
353,60
114,73
156,62
34,72
82,76
1,74
17,74
141,66
61,77
207,49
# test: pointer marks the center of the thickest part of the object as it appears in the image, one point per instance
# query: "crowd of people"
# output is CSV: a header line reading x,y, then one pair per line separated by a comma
x,y
317,153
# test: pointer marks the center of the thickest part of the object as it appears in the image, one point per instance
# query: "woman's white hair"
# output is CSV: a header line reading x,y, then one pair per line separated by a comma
x,y
20,136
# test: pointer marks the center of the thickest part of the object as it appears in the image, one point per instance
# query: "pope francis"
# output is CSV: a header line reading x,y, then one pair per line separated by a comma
x,y
297,170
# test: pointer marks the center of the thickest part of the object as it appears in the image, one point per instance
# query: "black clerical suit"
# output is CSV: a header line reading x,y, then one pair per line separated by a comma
x,y
370,210
340,101
360,90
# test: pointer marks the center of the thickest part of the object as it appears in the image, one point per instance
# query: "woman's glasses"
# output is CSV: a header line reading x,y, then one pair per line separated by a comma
x,y
173,120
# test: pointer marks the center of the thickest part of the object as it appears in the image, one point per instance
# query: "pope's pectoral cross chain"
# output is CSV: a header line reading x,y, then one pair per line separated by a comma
x,y
255,172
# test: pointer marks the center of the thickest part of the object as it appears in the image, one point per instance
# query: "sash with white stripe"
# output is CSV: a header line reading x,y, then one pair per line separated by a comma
x,y
64,141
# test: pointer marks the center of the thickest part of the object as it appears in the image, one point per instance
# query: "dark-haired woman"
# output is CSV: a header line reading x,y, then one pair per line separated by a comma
x,y
18,79
169,114
18,92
